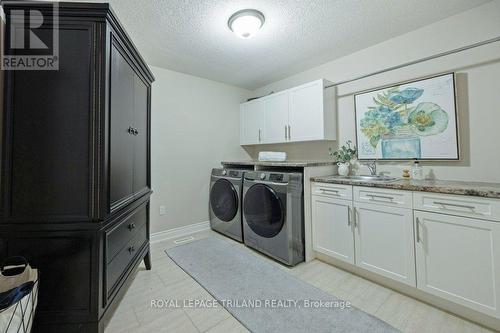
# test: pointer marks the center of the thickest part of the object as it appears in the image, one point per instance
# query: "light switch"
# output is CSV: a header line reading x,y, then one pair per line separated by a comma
x,y
163,210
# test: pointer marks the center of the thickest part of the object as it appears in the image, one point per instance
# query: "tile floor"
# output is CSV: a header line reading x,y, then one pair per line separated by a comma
x,y
167,281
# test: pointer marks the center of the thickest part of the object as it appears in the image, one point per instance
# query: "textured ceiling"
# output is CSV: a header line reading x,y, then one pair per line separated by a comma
x,y
192,36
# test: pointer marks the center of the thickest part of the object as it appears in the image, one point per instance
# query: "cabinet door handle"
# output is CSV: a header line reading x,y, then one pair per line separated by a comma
x,y
286,133
349,214
131,249
289,133
259,134
334,192
354,217
417,221
136,131
131,226
373,196
444,204
130,130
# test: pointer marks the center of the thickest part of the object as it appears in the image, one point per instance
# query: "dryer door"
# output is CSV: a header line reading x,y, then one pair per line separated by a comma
x,y
263,211
224,200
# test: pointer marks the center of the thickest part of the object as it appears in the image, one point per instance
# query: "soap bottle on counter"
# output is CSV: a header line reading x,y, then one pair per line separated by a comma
x,y
417,172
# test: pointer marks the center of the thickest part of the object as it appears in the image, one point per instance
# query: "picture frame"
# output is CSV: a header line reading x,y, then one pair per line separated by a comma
x,y
410,120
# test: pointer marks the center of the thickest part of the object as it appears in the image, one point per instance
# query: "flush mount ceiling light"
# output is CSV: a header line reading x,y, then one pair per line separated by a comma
x,y
245,23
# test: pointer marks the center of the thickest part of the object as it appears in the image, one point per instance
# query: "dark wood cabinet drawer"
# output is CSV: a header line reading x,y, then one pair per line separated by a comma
x,y
125,258
123,232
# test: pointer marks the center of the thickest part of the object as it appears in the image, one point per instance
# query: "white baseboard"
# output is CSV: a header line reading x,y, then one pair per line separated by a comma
x,y
179,232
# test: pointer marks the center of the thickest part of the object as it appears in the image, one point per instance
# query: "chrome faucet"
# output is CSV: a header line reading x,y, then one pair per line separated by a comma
x,y
372,166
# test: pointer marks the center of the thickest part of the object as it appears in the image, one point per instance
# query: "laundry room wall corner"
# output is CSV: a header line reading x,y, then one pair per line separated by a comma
x,y
187,141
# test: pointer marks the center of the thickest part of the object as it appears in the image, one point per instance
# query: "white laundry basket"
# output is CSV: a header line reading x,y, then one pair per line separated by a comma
x,y
18,317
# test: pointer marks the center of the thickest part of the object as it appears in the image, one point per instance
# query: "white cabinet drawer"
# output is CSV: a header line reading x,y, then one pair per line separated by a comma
x,y
337,191
484,208
394,198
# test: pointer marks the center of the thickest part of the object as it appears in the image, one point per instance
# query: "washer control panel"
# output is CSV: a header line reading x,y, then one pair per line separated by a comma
x,y
276,177
269,176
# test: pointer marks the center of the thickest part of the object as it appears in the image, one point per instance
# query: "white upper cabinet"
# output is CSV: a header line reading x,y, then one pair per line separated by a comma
x,y
303,113
311,114
276,117
252,125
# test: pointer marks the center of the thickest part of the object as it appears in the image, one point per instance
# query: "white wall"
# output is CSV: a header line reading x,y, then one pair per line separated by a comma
x,y
478,89
194,127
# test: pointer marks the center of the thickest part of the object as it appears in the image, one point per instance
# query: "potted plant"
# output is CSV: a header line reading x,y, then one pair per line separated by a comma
x,y
343,157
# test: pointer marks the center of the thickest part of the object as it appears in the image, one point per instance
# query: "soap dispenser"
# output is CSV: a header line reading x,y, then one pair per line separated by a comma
x,y
417,172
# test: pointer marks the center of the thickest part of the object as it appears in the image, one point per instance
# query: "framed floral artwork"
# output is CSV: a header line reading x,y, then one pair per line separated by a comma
x,y
412,120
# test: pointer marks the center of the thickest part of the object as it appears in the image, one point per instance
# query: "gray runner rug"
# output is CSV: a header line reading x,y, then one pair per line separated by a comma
x,y
265,298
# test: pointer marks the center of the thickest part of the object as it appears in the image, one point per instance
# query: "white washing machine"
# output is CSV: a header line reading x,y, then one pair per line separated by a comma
x,y
273,214
225,202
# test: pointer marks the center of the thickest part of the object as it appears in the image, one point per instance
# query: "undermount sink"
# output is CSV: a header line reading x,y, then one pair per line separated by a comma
x,y
369,178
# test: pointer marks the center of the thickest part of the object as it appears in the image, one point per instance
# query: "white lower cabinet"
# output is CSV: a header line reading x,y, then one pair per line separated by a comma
x,y
332,227
458,259
440,247
384,241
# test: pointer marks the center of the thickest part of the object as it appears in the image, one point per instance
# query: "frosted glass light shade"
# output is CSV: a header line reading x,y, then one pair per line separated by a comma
x,y
245,23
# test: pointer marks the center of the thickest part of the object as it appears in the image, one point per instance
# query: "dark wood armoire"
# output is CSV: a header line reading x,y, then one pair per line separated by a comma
x,y
75,173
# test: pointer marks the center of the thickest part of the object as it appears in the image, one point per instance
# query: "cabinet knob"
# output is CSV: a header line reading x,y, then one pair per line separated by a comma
x,y
131,226
131,249
132,130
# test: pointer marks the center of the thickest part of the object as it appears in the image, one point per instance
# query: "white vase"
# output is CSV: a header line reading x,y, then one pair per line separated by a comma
x,y
343,168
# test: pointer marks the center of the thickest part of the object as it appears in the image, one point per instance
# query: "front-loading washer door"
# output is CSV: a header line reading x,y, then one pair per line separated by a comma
x,y
263,211
224,200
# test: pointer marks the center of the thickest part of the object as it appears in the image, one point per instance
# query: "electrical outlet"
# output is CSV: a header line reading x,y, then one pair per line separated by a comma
x,y
163,210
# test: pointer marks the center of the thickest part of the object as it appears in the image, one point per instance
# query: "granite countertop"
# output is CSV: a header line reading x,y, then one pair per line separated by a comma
x,y
289,163
478,189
